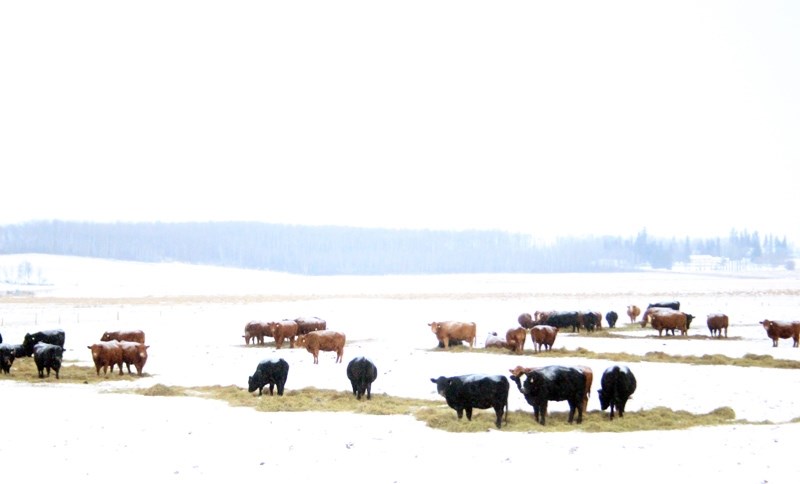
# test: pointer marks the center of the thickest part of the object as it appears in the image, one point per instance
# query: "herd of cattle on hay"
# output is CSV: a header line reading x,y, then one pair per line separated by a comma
x,y
462,393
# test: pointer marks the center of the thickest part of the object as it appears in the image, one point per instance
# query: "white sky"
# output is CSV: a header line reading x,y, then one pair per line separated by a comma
x,y
578,117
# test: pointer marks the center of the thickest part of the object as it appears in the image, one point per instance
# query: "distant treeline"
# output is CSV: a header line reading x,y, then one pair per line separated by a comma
x,y
345,250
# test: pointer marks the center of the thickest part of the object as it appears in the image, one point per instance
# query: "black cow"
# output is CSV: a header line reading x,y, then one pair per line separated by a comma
x,y
591,321
611,317
564,319
270,372
676,305
466,392
7,355
47,356
361,372
554,383
50,336
616,387
1,338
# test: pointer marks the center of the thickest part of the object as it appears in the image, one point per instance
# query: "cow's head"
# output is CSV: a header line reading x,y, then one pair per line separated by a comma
x,y
106,336
604,399
252,382
441,384
301,341
7,358
516,375
766,324
689,318
435,327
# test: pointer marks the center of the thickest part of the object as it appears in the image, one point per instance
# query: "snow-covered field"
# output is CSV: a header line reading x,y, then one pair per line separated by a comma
x,y
194,316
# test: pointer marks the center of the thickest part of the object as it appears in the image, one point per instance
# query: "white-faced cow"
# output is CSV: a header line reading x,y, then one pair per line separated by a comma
x,y
553,383
782,330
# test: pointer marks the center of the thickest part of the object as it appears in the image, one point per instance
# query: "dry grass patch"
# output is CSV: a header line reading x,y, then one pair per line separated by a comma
x,y
438,415
748,360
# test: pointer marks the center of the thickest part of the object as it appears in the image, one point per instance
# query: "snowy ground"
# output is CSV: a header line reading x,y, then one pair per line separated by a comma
x,y
193,317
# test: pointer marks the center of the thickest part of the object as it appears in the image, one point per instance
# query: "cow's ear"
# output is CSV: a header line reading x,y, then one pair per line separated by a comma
x,y
433,380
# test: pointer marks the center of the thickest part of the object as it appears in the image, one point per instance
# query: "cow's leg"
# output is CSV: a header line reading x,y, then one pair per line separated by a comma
x,y
446,342
271,388
543,411
580,411
369,391
498,412
460,412
469,413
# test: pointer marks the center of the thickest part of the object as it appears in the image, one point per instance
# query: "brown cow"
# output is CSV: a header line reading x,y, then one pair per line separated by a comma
x,y
633,313
588,375
256,331
323,340
543,334
515,339
493,341
137,336
282,330
306,325
106,354
717,322
447,330
668,319
525,320
134,354
649,311
782,330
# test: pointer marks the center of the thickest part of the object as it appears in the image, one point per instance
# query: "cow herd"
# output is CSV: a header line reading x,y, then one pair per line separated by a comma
x,y
313,335
309,333
46,348
462,393
567,383
115,348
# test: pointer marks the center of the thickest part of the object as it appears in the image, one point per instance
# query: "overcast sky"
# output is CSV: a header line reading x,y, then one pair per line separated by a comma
x,y
581,117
